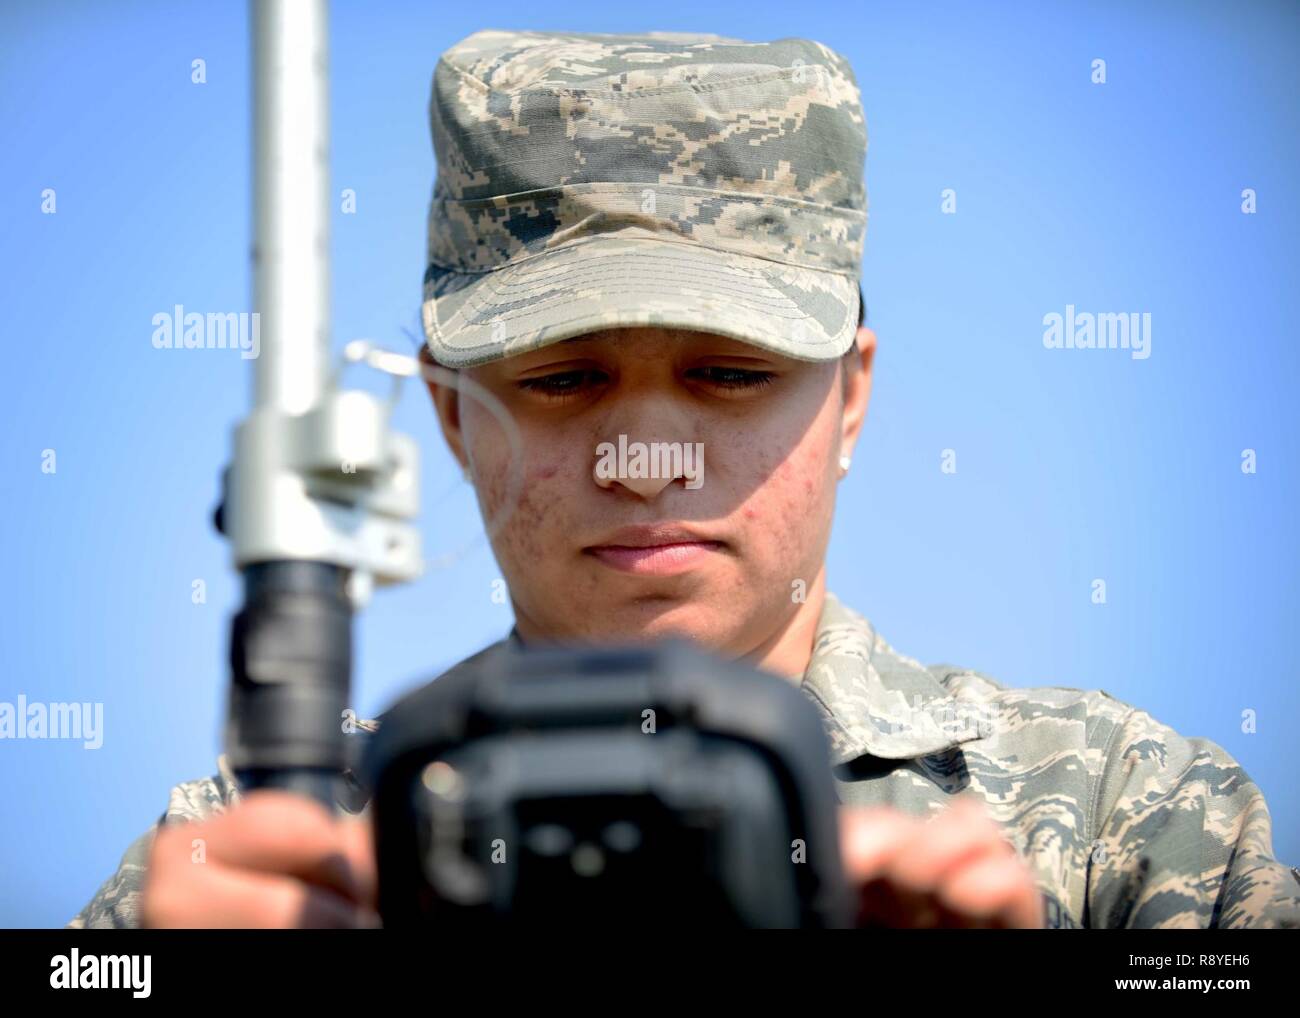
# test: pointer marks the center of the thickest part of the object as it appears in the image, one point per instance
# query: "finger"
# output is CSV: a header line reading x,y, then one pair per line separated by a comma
x,y
870,839
997,889
870,836
221,898
278,832
955,838
885,904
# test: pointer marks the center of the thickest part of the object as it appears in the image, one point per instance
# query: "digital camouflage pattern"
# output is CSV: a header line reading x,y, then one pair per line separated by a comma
x,y
586,181
1124,822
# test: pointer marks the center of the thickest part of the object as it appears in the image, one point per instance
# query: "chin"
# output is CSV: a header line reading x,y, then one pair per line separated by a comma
x,y
651,620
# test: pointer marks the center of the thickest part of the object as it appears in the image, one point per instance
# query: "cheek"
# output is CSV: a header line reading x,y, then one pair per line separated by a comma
x,y
521,502
792,491
794,497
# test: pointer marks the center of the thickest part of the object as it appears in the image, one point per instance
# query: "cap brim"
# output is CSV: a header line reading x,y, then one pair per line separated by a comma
x,y
610,282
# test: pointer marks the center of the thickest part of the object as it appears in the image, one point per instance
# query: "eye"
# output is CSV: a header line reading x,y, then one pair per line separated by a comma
x,y
562,383
734,378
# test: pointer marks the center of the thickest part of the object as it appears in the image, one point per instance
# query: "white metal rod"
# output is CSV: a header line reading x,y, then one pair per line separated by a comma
x,y
291,202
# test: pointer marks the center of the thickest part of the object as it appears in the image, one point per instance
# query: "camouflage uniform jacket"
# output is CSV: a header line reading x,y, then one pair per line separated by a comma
x,y
1124,822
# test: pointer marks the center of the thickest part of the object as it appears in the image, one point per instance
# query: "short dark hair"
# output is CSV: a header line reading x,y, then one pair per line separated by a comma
x,y
853,347
862,317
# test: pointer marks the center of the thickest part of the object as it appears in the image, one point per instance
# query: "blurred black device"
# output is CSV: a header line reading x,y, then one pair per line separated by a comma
x,y
650,786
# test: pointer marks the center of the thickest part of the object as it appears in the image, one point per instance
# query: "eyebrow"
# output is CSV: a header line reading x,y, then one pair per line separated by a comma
x,y
586,337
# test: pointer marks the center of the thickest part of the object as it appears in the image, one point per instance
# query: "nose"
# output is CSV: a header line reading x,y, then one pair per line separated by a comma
x,y
647,468
646,487
647,443
644,468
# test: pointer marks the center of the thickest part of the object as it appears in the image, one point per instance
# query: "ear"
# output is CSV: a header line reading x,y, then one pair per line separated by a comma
x,y
857,389
446,400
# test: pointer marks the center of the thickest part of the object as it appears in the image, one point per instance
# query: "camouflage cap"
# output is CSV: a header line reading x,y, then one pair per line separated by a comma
x,y
591,181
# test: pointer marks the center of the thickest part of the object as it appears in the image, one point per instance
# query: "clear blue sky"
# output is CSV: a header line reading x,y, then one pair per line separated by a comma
x,y
1072,465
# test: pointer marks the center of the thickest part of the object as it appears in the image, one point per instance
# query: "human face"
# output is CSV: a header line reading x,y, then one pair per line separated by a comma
x,y
737,562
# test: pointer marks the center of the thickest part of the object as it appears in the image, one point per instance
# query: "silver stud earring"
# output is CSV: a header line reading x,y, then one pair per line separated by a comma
x,y
844,463
465,472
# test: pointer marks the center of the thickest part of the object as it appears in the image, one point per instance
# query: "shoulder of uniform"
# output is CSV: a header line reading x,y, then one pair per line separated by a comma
x,y
202,798
1100,711
972,682
116,904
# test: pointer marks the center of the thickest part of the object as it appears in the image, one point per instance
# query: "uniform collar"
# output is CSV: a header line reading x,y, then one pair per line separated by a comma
x,y
874,700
